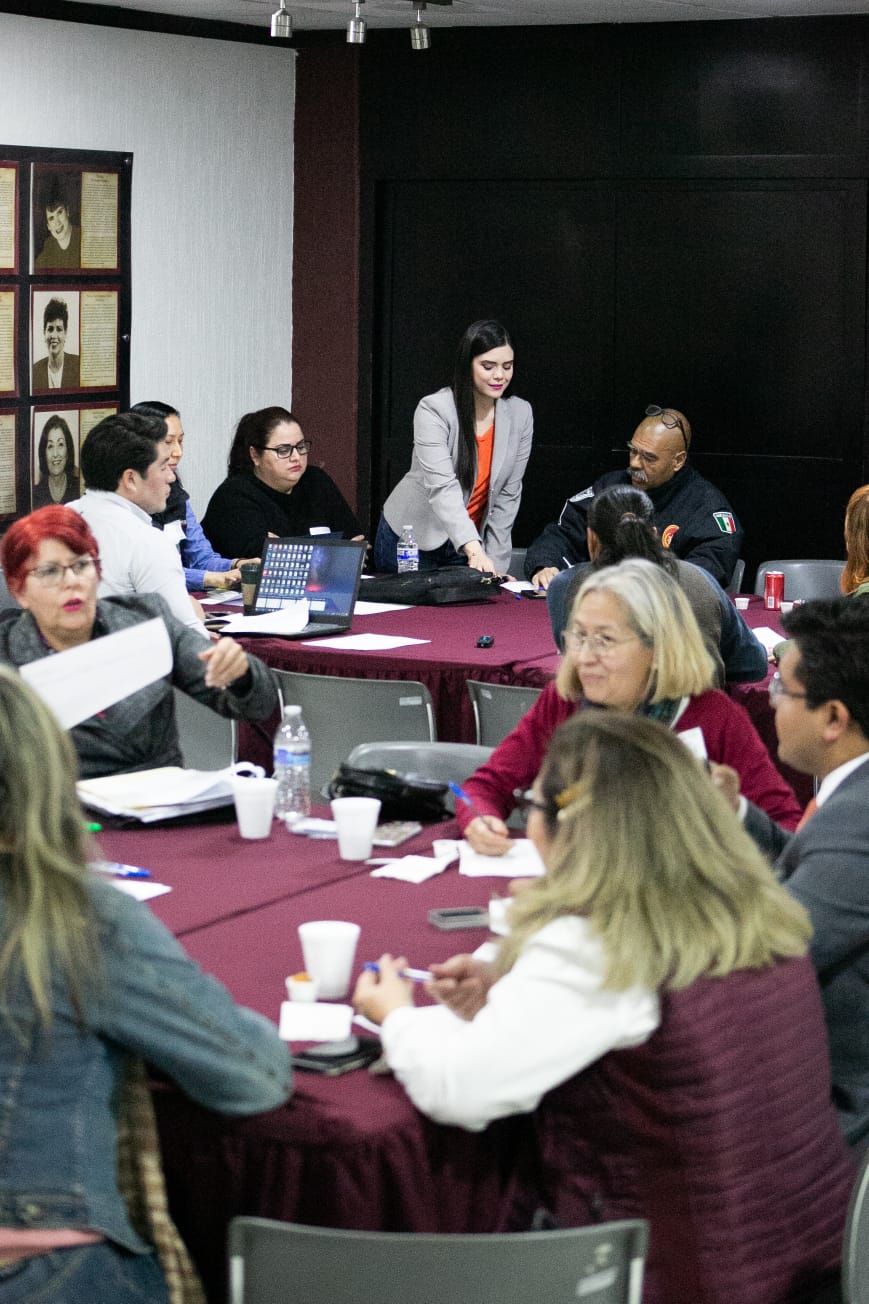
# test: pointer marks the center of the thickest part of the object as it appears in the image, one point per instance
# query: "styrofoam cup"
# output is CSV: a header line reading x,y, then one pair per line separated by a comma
x,y
254,799
741,604
329,949
355,822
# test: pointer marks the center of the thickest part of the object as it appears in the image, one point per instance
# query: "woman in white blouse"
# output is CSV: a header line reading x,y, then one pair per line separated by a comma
x,y
643,1006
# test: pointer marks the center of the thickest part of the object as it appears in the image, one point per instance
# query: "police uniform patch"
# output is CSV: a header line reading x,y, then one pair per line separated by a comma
x,y
668,535
725,522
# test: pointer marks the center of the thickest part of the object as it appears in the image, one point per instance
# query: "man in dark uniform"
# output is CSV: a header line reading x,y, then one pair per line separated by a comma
x,y
693,518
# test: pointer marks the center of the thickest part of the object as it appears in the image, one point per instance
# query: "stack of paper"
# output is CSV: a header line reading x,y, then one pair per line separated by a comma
x,y
160,794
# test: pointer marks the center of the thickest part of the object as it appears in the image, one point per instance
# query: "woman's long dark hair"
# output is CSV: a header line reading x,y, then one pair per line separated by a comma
x,y
480,337
623,518
252,431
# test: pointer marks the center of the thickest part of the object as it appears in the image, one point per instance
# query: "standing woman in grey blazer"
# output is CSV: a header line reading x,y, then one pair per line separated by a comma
x,y
470,449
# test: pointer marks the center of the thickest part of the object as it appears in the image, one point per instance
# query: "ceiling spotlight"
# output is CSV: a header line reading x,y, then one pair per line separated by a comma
x,y
356,25
282,23
420,37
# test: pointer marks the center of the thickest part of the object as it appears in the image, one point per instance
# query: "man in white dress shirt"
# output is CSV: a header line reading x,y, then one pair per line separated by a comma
x,y
125,464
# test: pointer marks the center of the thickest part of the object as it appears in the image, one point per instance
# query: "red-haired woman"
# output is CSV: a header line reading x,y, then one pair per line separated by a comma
x,y
52,567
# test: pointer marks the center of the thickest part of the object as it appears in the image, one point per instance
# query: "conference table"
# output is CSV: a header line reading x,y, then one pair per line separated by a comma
x,y
349,1151
447,657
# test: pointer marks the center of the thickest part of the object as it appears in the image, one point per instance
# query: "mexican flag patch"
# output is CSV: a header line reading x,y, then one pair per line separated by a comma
x,y
725,522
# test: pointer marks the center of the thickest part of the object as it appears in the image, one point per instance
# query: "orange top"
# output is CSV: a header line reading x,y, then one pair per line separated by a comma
x,y
479,498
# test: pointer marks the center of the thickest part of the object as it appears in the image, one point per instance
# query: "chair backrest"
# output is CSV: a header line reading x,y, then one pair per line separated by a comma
x,y
735,584
7,602
804,579
517,563
275,1262
340,713
443,761
855,1248
208,741
498,708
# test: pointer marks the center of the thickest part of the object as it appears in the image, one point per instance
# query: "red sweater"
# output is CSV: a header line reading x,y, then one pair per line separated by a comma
x,y
731,739
720,1131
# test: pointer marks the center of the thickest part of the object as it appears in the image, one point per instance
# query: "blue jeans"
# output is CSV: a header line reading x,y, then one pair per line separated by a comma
x,y
385,553
86,1274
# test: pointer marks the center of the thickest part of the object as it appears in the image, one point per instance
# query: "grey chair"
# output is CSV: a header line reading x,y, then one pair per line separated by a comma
x,y
7,602
855,1249
517,563
208,741
735,584
342,712
804,579
498,708
282,1263
443,761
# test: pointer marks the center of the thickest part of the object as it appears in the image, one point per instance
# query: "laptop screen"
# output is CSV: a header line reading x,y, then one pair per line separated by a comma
x,y
325,571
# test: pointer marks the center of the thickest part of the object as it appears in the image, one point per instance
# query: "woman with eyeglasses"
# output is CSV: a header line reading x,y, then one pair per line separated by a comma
x,y
271,491
656,1015
631,644
90,982
52,567
470,449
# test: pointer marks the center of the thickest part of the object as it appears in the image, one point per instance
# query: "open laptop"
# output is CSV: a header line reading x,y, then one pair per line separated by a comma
x,y
325,571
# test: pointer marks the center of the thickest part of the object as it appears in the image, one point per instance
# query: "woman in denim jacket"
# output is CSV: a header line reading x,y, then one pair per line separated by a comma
x,y
89,977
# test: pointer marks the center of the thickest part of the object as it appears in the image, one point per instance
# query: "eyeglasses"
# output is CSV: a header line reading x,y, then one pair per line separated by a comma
x,y
526,800
52,575
777,690
283,451
601,646
668,419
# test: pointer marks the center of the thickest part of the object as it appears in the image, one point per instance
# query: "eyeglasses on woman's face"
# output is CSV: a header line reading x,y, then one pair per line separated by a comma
x,y
602,646
526,800
52,574
285,451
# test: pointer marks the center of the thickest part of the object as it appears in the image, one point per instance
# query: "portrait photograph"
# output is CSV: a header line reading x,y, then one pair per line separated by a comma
x,y
56,477
56,217
55,339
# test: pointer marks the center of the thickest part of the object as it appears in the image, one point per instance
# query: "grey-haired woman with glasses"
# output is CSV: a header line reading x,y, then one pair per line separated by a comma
x,y
631,644
272,491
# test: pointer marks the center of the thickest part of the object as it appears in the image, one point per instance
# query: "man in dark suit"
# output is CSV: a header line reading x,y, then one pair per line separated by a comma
x,y
821,700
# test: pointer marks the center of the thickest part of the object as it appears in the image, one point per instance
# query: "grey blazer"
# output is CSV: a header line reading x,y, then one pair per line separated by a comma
x,y
430,497
826,867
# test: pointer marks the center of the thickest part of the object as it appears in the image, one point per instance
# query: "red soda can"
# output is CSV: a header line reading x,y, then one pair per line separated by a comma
x,y
773,589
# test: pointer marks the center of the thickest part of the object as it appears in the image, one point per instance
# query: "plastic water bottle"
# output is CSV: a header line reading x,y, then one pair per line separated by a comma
x,y
292,767
408,553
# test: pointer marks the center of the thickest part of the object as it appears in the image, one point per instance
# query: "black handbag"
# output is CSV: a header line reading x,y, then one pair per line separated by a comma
x,y
401,796
433,588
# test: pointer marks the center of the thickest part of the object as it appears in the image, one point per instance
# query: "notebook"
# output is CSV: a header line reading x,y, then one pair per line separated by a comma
x,y
325,571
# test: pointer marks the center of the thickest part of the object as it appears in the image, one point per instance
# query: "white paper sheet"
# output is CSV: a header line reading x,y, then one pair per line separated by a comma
x,y
768,637
140,889
84,680
289,620
694,741
378,608
521,861
367,642
517,586
157,794
314,1021
412,869
222,598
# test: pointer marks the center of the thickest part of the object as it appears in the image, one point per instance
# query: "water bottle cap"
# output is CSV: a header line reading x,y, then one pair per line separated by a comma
x,y
292,710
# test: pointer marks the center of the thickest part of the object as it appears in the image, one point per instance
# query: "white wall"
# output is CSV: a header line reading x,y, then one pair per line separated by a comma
x,y
210,127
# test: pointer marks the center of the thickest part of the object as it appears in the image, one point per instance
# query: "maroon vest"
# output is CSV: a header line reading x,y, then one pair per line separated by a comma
x,y
720,1131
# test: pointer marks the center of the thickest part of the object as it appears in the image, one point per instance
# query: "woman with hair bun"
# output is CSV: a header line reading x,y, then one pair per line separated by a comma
x,y
470,449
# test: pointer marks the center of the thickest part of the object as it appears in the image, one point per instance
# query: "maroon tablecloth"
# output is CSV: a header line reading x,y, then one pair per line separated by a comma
x,y
448,658
349,1151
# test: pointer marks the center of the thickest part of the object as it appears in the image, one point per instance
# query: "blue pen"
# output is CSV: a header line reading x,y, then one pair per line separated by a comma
x,y
117,870
459,792
415,975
